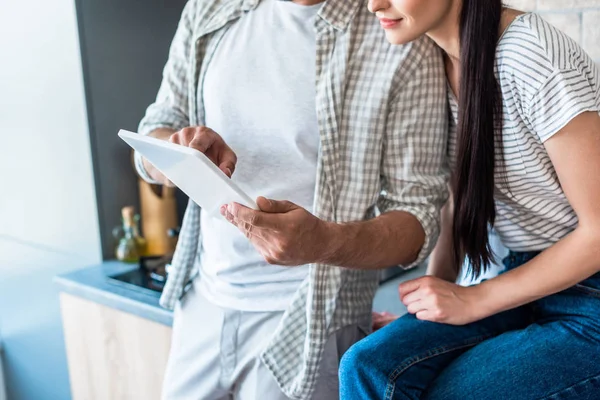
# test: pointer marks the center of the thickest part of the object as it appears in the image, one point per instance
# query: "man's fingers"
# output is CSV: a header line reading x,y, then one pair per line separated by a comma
x,y
203,140
174,138
275,206
383,319
227,170
245,214
214,147
377,325
227,160
255,218
182,137
228,216
248,230
209,143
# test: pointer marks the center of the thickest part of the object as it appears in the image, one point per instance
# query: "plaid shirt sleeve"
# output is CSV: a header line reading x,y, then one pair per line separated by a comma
x,y
414,169
170,109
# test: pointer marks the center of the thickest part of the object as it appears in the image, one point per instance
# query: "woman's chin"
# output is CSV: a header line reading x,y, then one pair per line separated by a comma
x,y
398,38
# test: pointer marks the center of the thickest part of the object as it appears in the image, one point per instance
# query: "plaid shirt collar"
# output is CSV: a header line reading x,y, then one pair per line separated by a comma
x,y
337,13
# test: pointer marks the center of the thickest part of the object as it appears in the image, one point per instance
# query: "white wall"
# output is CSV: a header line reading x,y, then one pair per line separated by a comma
x,y
48,217
48,194
577,18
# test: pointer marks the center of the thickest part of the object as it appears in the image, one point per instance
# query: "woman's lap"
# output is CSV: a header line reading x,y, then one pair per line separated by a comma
x,y
404,358
505,356
542,361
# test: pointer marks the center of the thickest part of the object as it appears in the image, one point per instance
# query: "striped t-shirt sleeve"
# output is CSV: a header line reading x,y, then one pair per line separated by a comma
x,y
570,87
564,95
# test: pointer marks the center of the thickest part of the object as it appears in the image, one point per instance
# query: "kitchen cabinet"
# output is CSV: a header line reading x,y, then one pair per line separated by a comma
x,y
117,336
113,354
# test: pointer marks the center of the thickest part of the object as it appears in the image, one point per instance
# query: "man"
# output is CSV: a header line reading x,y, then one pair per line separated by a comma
x,y
310,105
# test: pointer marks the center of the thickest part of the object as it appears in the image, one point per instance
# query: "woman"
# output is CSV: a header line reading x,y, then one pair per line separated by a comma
x,y
525,152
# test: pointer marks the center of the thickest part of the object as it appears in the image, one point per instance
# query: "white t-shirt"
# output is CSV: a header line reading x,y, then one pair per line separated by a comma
x,y
259,95
546,80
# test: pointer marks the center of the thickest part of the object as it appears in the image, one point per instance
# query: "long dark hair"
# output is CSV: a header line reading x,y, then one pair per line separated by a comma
x,y
479,117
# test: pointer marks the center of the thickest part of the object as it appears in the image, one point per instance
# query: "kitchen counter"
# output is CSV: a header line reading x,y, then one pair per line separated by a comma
x,y
93,283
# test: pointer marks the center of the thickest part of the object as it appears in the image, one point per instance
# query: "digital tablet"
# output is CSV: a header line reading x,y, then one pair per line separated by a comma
x,y
191,171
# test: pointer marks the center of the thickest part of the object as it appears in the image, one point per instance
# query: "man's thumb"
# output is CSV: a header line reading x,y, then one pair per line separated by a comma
x,y
274,206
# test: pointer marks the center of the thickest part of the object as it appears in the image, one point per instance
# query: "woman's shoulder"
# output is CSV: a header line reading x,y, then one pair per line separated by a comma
x,y
545,74
532,42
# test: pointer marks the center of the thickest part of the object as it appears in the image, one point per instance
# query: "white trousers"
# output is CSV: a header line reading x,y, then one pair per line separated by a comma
x,y
214,354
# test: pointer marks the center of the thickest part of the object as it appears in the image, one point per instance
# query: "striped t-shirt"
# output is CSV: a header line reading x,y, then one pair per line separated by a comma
x,y
546,80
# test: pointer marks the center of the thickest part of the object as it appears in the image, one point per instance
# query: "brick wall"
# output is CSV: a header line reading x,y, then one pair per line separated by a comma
x,y
579,19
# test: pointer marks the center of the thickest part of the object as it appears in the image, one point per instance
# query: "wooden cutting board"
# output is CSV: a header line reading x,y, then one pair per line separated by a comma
x,y
158,215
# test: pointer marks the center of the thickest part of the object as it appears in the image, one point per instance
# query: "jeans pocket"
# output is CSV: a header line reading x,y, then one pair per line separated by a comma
x,y
592,291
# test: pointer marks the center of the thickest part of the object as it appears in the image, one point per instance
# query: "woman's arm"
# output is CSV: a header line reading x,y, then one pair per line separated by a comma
x,y
441,262
575,154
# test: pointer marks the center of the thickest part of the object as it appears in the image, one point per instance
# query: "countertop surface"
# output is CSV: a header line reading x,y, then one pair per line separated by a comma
x,y
93,283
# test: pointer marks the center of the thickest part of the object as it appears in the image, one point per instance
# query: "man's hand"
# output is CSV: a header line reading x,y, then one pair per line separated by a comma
x,y
283,233
210,143
382,319
436,300
200,138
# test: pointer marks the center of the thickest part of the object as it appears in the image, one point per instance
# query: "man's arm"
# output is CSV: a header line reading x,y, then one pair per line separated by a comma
x,y
414,172
167,118
394,238
414,175
147,171
168,113
170,109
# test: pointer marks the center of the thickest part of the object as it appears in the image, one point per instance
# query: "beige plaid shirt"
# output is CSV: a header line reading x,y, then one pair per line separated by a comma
x,y
382,117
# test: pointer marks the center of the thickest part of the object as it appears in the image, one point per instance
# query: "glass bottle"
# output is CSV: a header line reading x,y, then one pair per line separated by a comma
x,y
140,241
131,245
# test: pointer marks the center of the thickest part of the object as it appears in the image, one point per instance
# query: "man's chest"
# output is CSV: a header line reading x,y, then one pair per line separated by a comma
x,y
258,88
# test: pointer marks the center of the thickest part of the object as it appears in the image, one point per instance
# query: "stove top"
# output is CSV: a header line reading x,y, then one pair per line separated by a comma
x,y
150,277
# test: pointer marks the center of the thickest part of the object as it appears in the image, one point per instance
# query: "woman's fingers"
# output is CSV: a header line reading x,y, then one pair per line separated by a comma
x,y
411,297
416,306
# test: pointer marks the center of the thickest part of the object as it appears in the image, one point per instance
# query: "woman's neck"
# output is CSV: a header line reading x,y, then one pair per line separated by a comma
x,y
447,36
447,33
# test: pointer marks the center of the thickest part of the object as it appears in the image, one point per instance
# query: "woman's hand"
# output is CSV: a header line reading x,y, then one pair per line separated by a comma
x,y
436,300
283,232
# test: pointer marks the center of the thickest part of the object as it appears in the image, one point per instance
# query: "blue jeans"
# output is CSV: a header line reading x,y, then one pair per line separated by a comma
x,y
549,349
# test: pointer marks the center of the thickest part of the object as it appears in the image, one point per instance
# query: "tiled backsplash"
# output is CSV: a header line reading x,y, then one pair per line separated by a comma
x,y
580,19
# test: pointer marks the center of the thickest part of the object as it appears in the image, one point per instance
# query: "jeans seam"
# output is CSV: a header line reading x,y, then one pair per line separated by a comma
x,y
438,351
591,291
557,393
